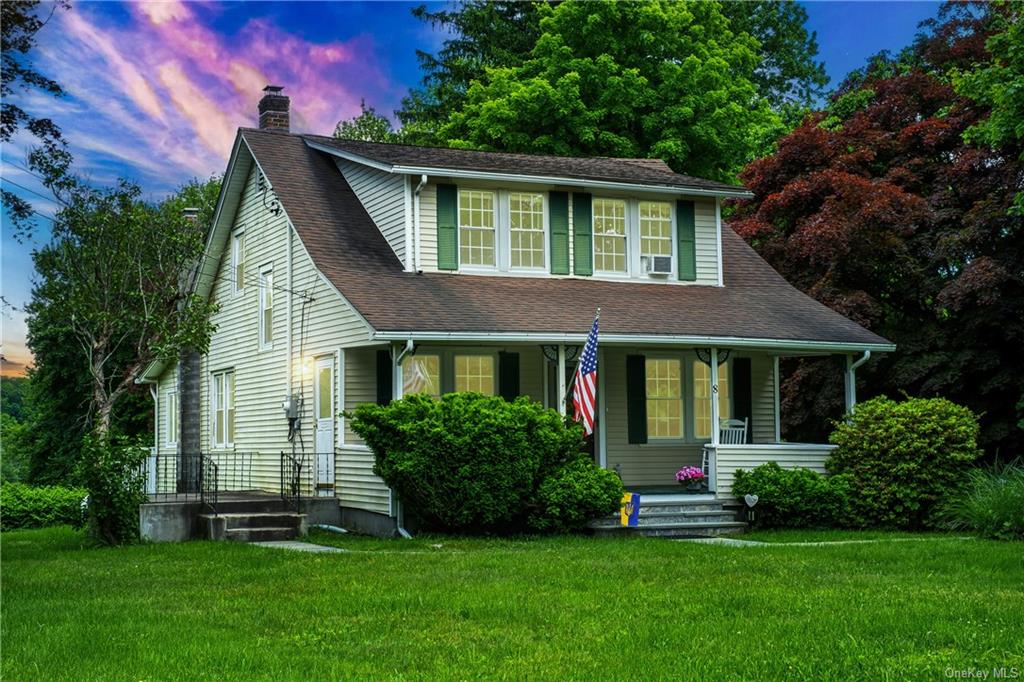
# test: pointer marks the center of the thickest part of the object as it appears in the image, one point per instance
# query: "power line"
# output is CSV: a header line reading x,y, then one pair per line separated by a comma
x,y
38,194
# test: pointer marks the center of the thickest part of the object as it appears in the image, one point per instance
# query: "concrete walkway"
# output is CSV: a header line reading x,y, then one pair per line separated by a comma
x,y
734,542
298,546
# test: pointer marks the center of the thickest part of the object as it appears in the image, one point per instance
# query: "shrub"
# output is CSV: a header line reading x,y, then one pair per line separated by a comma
x,y
467,462
904,459
27,506
575,493
113,475
794,498
992,505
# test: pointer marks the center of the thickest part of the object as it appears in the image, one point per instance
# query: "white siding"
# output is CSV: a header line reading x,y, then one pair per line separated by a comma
x,y
762,384
428,227
383,196
788,456
320,327
706,234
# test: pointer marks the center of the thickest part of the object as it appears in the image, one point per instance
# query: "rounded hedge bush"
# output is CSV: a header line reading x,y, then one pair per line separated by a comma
x,y
904,459
467,462
28,506
575,493
794,498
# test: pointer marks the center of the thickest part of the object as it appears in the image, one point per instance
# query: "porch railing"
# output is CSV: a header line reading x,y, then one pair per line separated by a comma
x,y
200,476
725,460
291,480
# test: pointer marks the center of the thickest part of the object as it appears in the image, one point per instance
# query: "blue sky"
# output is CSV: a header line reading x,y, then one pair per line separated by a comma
x,y
156,90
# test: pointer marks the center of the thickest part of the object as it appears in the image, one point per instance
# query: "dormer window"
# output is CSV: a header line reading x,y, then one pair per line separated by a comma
x,y
477,228
526,230
610,236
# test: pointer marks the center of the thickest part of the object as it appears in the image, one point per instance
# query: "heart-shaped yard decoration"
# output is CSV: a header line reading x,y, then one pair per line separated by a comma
x,y
751,500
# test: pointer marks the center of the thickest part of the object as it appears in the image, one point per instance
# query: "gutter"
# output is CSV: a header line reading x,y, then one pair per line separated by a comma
x,y
638,340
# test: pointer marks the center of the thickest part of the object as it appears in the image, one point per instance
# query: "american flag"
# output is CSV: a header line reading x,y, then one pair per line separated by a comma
x,y
584,390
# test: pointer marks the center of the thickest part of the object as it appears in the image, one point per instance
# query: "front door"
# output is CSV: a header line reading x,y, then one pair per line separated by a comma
x,y
323,399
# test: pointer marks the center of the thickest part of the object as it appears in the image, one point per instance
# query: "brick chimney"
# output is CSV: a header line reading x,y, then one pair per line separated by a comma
x,y
274,109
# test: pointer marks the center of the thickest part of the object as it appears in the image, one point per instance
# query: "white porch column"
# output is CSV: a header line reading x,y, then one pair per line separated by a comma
x,y
397,382
600,412
778,401
561,379
714,397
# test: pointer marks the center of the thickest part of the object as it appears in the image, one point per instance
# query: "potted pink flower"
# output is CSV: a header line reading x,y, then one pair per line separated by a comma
x,y
691,478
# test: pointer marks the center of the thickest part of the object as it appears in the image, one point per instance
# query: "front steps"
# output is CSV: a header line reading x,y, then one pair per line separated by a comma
x,y
257,520
676,517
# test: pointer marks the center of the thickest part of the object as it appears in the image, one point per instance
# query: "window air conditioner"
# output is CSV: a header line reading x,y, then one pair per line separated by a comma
x,y
659,265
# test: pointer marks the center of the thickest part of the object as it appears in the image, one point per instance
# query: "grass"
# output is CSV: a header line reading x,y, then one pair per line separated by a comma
x,y
553,608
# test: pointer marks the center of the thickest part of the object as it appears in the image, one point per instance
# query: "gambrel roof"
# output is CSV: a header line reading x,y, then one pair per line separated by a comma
x,y
756,306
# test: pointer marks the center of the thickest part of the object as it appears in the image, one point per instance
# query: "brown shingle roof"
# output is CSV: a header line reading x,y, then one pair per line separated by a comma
x,y
640,171
756,302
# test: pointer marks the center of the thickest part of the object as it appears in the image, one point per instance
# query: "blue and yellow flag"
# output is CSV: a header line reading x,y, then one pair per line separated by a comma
x,y
630,510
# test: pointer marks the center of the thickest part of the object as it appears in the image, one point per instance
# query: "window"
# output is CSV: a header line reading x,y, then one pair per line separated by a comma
x,y
266,307
171,406
421,374
223,409
476,228
238,261
474,373
610,235
655,228
664,398
526,229
702,395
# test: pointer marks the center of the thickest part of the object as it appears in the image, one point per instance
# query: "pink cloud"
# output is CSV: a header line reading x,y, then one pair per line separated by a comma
x,y
212,125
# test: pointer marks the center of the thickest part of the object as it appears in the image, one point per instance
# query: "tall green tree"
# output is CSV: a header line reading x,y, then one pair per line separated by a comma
x,y
880,209
114,287
661,79
368,126
20,23
503,34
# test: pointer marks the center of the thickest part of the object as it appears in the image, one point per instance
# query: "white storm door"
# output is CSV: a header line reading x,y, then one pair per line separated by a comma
x,y
323,399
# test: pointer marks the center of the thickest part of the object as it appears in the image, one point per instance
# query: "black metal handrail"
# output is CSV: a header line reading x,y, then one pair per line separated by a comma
x,y
209,482
291,480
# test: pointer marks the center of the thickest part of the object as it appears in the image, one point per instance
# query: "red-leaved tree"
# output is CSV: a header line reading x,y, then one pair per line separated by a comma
x,y
878,208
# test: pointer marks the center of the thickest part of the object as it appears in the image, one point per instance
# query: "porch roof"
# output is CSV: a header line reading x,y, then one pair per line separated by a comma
x,y
756,303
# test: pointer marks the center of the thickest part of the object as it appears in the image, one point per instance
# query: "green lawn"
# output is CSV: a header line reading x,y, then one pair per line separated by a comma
x,y
574,608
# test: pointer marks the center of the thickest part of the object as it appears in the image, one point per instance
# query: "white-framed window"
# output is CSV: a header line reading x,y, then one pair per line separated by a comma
x,y
655,228
664,383
222,402
421,373
610,243
266,320
475,373
526,230
171,420
477,228
238,261
702,397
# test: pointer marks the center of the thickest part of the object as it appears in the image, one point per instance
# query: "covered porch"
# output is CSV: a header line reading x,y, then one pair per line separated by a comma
x,y
657,402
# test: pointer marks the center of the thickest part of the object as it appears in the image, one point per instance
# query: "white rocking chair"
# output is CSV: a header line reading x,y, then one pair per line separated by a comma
x,y
730,432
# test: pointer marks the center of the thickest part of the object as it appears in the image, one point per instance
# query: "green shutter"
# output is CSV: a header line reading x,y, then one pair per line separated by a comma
x,y
686,227
447,227
742,393
508,375
636,398
384,377
582,235
558,222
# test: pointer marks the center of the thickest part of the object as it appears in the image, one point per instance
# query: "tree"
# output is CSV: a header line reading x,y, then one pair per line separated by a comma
x,y
503,34
667,80
117,274
787,74
368,126
878,208
20,22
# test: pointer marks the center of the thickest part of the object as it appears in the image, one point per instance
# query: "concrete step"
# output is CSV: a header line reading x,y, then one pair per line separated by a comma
x,y
266,534
257,519
656,518
675,530
676,507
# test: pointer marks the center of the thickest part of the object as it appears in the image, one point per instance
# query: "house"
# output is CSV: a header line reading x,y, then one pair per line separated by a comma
x,y
348,272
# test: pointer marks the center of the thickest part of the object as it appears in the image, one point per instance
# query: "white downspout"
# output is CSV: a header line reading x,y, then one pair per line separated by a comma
x,y
417,236
397,386
851,379
288,335
407,189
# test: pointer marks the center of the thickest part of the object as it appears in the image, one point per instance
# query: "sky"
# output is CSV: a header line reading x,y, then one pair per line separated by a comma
x,y
156,90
